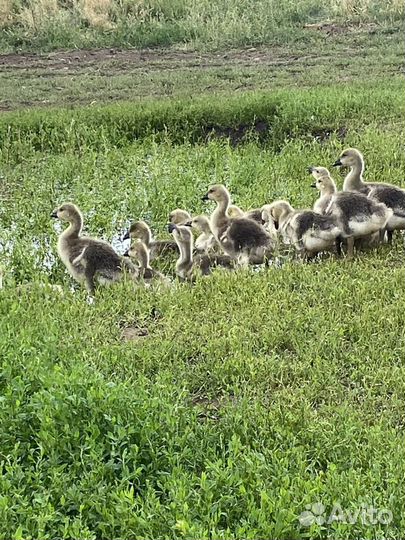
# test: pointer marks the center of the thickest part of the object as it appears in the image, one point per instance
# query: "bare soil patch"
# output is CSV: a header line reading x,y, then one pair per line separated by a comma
x,y
121,60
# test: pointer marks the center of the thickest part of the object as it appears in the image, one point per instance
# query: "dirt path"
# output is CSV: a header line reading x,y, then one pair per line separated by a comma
x,y
121,60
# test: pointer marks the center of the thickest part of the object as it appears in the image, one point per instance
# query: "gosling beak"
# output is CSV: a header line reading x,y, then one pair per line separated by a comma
x,y
187,224
263,221
276,225
310,169
126,236
313,185
54,214
205,198
171,227
126,254
337,163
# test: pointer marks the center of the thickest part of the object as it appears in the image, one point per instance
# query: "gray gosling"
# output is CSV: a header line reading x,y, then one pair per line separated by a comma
x,y
186,262
310,233
184,240
327,188
240,237
358,217
88,259
205,242
325,184
140,230
140,253
219,220
390,195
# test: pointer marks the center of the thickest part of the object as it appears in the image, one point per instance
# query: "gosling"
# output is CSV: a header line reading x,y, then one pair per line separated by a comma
x,y
358,216
310,233
325,185
140,252
219,221
186,262
88,258
240,237
184,239
205,242
327,188
157,248
390,195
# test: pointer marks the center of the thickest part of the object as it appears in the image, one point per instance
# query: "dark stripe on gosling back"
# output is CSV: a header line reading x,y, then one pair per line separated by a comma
x,y
246,233
392,197
310,220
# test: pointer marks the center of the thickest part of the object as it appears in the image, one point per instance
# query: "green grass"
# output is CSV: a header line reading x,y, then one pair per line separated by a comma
x,y
357,54
44,25
252,394
316,114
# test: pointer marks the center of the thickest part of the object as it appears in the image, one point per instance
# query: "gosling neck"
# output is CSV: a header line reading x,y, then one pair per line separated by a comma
x,y
205,227
145,236
354,179
186,254
75,227
223,205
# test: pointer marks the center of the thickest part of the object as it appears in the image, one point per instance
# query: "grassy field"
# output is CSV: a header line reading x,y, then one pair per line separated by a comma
x,y
364,53
237,401
226,409
204,25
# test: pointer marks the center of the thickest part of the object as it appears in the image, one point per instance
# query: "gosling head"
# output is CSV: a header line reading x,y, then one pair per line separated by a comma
x,y
235,212
136,250
66,212
349,158
201,223
276,212
323,181
138,229
217,193
181,233
179,216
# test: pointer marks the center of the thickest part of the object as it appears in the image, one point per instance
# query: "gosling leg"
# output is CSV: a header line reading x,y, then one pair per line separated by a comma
x,y
350,248
309,256
89,281
382,235
338,244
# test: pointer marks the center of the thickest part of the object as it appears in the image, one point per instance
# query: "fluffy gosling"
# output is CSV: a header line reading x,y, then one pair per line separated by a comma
x,y
86,258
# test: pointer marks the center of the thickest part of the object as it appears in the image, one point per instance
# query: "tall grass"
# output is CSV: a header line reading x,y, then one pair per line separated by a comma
x,y
272,118
50,24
